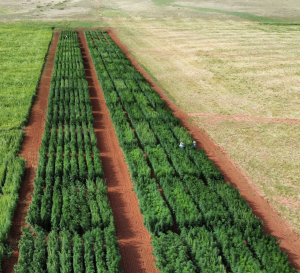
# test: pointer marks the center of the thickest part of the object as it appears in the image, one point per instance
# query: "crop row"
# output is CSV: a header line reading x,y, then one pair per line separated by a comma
x,y
11,173
70,203
9,197
67,252
195,195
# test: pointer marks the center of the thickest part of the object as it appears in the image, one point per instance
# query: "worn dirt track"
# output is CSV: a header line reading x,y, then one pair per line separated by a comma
x,y
134,239
246,118
31,143
164,52
273,224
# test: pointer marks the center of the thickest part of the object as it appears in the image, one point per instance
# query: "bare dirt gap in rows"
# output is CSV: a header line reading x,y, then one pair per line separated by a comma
x,y
273,224
29,151
134,239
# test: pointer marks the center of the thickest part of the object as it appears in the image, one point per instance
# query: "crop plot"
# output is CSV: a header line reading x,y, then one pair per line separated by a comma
x,y
195,198
70,203
22,52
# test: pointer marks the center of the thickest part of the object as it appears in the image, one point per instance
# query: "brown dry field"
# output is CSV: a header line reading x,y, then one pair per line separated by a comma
x,y
215,63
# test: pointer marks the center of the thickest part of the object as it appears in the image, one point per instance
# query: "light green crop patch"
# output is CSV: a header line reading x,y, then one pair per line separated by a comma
x,y
22,54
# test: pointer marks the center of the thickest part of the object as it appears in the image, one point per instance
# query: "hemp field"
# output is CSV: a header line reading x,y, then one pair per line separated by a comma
x,y
234,64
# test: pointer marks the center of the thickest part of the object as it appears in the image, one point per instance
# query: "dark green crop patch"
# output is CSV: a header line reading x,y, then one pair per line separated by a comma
x,y
69,203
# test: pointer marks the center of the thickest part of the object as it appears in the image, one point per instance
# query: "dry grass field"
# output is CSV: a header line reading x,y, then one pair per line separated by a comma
x,y
286,10
45,10
214,58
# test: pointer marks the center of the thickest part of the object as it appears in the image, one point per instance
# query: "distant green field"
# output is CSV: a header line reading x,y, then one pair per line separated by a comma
x,y
22,54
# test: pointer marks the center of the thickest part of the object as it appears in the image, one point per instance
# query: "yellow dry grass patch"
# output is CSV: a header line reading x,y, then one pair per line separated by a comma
x,y
269,152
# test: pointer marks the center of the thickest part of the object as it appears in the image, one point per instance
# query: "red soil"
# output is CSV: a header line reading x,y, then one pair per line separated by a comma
x,y
134,239
273,224
32,141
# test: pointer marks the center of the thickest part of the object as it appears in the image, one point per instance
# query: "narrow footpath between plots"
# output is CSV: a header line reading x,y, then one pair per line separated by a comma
x,y
134,239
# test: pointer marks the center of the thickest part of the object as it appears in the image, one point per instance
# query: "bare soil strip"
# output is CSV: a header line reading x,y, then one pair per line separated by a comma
x,y
246,118
273,224
134,239
32,141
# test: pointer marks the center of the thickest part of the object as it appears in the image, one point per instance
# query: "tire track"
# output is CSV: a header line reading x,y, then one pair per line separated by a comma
x,y
246,118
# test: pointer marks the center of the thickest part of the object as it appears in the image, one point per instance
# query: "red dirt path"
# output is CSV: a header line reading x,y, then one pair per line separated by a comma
x,y
134,239
273,224
31,142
